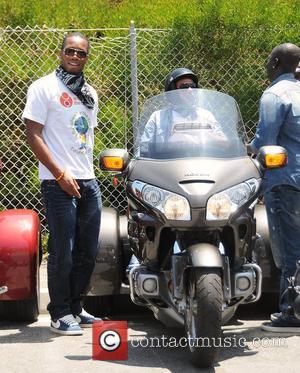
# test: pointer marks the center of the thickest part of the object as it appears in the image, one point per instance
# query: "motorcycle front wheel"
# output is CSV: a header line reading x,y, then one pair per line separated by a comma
x,y
203,315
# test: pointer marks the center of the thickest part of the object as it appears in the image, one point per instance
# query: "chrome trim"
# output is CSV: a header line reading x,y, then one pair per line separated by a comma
x,y
226,279
137,188
258,285
140,279
133,273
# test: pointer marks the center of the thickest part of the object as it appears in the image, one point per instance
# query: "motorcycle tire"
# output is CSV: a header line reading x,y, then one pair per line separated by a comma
x,y
27,310
20,310
203,316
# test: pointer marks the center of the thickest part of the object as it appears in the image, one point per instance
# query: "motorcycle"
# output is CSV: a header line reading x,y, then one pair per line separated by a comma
x,y
292,293
20,256
191,191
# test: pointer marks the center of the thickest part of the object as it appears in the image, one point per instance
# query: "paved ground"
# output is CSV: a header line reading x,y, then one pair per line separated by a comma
x,y
33,348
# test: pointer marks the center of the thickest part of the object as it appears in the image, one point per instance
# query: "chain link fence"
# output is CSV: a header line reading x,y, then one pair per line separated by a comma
x,y
125,66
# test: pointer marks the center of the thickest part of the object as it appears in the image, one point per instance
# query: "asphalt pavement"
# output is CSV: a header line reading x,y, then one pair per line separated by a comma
x,y
33,348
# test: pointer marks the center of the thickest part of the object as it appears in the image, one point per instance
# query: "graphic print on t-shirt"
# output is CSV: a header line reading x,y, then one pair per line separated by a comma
x,y
81,125
66,100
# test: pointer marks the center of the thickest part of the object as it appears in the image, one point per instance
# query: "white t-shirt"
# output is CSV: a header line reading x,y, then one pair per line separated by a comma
x,y
162,124
68,125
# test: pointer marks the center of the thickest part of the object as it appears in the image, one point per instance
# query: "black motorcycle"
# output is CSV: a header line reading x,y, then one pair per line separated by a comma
x,y
191,190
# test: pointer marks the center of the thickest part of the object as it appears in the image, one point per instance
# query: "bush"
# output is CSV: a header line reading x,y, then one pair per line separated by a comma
x,y
224,41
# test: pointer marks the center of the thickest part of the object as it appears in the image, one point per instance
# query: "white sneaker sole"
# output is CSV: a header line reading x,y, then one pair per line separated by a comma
x,y
273,318
283,329
65,332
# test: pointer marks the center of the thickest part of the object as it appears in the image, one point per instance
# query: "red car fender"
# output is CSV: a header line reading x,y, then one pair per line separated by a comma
x,y
19,248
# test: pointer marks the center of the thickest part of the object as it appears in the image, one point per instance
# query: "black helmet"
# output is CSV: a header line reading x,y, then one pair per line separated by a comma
x,y
178,74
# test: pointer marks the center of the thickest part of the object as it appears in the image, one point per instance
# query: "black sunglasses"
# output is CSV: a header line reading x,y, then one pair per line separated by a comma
x,y
187,85
70,52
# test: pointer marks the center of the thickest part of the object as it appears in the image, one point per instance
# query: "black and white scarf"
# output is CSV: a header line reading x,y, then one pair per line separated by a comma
x,y
77,85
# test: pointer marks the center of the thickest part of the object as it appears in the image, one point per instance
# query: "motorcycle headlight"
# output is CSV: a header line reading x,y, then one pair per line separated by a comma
x,y
177,208
221,205
172,205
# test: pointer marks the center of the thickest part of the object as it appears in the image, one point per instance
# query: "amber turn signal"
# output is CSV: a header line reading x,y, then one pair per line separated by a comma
x,y
275,160
113,163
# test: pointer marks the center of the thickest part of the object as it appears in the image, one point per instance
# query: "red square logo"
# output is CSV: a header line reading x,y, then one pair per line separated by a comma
x,y
110,340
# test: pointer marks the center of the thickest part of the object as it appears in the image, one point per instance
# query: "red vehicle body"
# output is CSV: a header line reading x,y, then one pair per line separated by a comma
x,y
19,264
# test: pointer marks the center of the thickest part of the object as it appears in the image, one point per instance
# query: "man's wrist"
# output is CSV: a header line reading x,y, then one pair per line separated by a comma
x,y
60,176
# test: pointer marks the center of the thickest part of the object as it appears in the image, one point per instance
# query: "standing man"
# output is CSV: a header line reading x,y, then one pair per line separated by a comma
x,y
60,117
279,124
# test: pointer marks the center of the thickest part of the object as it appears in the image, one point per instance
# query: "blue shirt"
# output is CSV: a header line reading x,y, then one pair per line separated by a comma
x,y
279,124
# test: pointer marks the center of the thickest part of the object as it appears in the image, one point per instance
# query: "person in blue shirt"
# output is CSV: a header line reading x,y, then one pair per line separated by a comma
x,y
279,124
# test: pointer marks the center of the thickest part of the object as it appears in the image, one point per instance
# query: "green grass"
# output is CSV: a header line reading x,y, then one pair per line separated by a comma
x,y
96,14
147,13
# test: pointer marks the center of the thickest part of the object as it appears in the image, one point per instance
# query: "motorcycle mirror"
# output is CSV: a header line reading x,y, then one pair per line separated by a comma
x,y
272,156
113,160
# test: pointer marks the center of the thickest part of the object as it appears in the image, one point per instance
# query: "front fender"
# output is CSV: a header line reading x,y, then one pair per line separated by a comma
x,y
198,255
19,248
204,255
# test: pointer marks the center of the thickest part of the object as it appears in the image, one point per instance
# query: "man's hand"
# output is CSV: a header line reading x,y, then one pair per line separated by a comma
x,y
69,185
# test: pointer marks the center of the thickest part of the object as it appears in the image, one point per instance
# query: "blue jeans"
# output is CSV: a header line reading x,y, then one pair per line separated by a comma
x,y
74,225
283,211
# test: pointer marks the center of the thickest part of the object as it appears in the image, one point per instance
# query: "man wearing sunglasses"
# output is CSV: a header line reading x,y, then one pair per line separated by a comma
x,y
60,116
162,125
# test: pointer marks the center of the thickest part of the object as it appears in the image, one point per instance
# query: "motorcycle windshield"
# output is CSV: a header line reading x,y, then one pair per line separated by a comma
x,y
190,123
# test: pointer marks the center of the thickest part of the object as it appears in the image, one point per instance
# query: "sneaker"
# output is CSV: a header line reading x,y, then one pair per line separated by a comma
x,y
283,325
66,325
86,320
274,316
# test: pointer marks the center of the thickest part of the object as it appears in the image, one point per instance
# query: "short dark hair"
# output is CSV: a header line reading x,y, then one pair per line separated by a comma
x,y
71,34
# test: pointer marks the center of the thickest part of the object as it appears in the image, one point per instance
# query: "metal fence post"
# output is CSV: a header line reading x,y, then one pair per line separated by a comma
x,y
134,78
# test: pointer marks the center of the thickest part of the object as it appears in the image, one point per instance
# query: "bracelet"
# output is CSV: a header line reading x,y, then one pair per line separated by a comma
x,y
60,176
